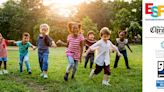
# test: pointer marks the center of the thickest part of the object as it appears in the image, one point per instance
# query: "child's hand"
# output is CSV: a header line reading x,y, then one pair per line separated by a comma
x,y
34,47
119,54
59,42
12,41
84,55
54,45
80,60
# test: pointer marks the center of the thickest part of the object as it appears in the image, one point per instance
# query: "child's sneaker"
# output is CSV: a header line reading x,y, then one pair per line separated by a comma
x,y
106,83
128,68
45,76
66,77
72,76
5,71
29,72
1,72
42,74
21,69
92,73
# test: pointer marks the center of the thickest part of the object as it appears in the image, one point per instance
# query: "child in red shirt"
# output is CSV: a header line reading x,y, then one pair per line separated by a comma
x,y
90,40
3,53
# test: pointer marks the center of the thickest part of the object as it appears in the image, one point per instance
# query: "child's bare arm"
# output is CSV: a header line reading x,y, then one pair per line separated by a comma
x,y
92,48
62,43
87,52
81,52
53,44
129,47
15,42
11,41
33,47
116,49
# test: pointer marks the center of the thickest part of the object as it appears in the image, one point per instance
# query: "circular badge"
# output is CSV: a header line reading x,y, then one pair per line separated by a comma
x,y
162,44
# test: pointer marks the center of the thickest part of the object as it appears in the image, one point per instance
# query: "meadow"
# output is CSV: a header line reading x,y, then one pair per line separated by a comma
x,y
121,79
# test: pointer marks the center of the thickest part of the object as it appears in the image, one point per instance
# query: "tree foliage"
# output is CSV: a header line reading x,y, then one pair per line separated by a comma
x,y
18,16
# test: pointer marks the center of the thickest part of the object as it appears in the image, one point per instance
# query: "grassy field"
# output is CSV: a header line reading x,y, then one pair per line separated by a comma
x,y
121,79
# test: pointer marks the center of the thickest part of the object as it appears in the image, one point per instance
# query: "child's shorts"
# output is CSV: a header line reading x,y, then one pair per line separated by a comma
x,y
4,59
106,69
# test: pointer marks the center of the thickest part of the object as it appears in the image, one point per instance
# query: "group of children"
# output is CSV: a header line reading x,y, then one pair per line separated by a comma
x,y
43,44
74,50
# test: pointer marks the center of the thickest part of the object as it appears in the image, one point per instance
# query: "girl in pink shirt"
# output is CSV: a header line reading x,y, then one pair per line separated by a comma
x,y
3,53
75,41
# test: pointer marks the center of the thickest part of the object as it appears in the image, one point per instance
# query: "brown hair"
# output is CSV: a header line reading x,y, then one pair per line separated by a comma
x,y
105,30
73,23
26,34
90,32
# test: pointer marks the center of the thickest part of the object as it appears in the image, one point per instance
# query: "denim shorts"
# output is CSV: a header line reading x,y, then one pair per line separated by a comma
x,y
3,59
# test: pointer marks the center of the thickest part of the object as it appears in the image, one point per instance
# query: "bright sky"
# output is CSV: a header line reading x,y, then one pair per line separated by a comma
x,y
1,1
65,7
63,2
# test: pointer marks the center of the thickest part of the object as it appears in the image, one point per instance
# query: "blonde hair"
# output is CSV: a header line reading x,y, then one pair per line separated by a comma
x,y
45,25
105,30
73,23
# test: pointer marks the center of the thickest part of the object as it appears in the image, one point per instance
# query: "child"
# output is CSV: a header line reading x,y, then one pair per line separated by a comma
x,y
88,42
43,43
3,53
23,52
75,41
102,59
120,43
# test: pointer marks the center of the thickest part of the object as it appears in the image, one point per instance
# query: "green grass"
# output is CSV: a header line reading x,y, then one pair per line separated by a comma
x,y
121,79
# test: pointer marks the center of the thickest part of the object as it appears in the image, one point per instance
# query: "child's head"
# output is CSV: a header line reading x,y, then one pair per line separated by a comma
x,y
1,37
105,33
74,28
44,29
122,34
26,37
90,35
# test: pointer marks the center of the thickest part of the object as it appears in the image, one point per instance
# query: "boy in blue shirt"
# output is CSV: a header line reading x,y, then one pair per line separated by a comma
x,y
23,51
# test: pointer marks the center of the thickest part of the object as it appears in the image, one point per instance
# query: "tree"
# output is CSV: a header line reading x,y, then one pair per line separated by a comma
x,y
121,22
134,30
20,16
100,12
123,19
135,8
88,25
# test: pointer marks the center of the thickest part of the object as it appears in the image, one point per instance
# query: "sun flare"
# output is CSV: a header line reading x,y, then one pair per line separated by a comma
x,y
65,8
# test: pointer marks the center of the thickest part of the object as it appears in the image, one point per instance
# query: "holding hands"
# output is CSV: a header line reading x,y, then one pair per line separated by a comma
x,y
33,47
53,44
59,42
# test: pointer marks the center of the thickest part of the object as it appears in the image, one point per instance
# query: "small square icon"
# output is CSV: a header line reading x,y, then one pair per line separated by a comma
x,y
161,69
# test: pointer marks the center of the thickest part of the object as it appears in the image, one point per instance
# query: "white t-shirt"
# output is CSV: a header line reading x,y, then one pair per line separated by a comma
x,y
121,44
103,50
